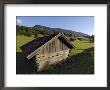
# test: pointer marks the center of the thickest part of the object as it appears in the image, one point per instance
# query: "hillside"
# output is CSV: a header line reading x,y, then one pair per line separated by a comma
x,y
81,59
44,30
69,32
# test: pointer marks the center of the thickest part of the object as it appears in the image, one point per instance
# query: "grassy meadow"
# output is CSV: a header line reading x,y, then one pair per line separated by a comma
x,y
21,40
81,46
81,59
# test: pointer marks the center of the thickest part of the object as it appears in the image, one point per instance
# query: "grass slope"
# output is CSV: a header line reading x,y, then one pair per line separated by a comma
x,y
21,40
81,59
81,46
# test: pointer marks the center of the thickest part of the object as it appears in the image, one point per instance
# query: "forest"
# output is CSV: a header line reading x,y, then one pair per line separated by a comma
x,y
39,29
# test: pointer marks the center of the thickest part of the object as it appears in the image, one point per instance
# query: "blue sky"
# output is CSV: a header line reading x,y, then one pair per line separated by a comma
x,y
84,24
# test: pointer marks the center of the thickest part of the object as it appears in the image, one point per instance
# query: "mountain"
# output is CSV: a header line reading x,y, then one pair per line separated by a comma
x,y
44,30
67,32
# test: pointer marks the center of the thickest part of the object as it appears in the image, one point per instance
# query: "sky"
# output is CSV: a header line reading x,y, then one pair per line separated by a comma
x,y
84,24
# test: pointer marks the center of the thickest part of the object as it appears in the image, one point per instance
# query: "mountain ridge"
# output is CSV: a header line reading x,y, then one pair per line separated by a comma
x,y
49,30
74,33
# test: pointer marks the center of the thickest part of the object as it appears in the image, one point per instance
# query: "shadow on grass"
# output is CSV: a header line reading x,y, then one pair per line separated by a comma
x,y
23,65
82,63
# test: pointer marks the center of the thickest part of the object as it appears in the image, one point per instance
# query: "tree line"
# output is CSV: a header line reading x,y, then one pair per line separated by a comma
x,y
29,31
38,29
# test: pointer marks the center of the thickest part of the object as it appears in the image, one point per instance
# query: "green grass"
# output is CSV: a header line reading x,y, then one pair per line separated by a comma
x,y
81,59
21,40
81,46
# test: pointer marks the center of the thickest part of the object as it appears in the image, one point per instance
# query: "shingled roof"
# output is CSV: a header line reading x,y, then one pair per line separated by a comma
x,y
37,43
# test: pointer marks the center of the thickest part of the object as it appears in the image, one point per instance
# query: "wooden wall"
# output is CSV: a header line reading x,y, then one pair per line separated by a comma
x,y
51,53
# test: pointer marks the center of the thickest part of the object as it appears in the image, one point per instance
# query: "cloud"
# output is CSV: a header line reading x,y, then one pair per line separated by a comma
x,y
19,21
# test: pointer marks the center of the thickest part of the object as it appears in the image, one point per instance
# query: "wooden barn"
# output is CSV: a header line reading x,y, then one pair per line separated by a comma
x,y
48,50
